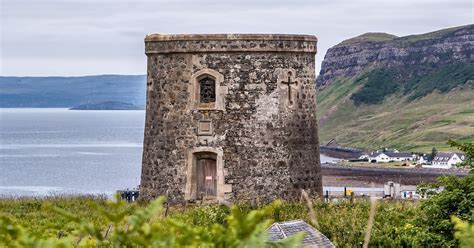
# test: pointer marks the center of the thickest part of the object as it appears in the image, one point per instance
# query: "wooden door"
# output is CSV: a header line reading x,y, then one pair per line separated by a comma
x,y
206,175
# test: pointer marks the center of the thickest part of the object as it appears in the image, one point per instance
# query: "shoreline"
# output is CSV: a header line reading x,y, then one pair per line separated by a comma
x,y
358,176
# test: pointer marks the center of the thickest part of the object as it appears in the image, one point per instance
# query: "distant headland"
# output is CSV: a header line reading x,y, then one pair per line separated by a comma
x,y
69,92
108,105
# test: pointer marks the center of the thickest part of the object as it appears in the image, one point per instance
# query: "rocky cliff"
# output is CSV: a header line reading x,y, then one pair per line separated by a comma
x,y
413,55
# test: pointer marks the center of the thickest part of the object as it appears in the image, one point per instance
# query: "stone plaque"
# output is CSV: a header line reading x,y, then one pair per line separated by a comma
x,y
205,127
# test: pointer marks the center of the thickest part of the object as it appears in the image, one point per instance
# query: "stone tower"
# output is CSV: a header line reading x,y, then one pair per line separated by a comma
x,y
230,117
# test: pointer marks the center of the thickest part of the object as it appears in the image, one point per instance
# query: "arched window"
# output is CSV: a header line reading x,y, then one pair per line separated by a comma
x,y
207,90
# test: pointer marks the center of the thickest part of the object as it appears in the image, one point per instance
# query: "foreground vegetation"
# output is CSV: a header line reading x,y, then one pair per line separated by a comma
x,y
90,221
444,220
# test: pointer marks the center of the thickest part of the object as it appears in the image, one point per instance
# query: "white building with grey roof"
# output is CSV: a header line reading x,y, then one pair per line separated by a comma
x,y
385,157
446,160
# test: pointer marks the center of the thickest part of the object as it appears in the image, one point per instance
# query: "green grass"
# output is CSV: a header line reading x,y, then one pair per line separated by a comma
x,y
407,40
428,36
40,220
335,94
469,111
395,165
370,37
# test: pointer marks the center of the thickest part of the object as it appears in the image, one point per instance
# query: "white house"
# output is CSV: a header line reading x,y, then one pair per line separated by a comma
x,y
422,159
385,157
364,156
446,160
378,157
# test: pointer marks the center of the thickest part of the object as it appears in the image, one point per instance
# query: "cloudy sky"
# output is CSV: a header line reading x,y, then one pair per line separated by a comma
x,y
87,37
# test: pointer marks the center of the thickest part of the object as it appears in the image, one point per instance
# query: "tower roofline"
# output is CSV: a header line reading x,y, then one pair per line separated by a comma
x,y
229,43
220,37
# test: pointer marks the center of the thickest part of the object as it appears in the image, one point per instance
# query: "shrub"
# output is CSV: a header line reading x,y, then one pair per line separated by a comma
x,y
443,79
147,227
464,232
379,83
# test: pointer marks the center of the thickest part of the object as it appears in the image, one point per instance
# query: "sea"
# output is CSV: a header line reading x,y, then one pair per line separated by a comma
x,y
52,151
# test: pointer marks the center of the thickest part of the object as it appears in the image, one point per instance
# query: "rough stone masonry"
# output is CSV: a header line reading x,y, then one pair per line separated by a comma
x,y
230,117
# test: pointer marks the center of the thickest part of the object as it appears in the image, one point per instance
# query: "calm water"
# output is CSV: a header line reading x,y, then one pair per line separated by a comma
x,y
46,151
57,151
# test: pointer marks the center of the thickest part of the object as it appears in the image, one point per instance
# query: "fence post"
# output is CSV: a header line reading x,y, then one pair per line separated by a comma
x,y
107,232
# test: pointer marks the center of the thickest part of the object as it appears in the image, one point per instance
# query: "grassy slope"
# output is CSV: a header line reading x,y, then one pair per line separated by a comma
x,y
431,35
379,37
372,37
339,91
410,125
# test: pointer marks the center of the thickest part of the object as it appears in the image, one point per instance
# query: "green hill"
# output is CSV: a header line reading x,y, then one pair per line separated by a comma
x,y
377,93
397,121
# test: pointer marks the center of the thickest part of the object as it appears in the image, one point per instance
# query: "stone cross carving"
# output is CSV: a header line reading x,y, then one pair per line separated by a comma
x,y
289,83
149,84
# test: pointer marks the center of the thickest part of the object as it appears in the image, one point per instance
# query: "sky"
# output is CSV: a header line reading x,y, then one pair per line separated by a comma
x,y
89,37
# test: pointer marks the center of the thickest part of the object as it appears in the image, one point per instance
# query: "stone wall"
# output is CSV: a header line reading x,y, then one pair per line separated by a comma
x,y
269,146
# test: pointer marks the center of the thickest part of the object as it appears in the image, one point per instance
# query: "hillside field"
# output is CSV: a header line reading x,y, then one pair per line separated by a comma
x,y
397,121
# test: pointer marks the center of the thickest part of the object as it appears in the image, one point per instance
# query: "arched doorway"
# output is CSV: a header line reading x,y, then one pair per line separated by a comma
x,y
205,175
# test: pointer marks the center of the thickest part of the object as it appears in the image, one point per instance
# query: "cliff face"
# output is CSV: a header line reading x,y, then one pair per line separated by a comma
x,y
414,55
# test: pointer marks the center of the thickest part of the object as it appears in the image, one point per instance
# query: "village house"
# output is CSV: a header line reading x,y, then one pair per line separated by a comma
x,y
364,156
444,160
422,159
385,157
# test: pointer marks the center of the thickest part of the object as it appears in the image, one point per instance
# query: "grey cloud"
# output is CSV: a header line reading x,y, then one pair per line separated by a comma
x,y
80,37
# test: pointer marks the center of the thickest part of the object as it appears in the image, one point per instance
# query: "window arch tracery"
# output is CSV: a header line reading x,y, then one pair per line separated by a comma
x,y
207,90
